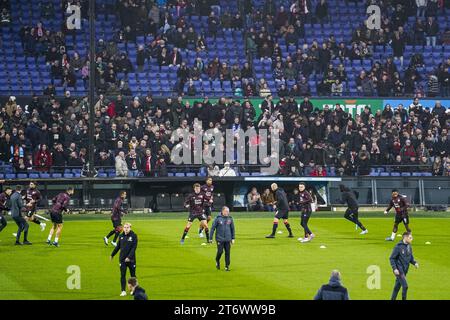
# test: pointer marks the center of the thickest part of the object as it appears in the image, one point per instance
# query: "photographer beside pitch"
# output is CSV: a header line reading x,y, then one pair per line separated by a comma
x,y
225,233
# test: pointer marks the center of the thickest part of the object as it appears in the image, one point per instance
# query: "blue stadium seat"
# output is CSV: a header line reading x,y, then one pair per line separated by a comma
x,y
44,175
68,175
56,175
10,176
22,176
33,175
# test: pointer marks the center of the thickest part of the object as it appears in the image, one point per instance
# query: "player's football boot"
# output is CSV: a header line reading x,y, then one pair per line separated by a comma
x,y
28,243
218,265
270,236
389,239
123,293
105,239
364,232
43,225
56,244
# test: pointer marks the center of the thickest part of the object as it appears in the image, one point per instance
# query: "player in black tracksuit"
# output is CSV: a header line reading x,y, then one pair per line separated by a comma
x,y
305,199
4,206
351,214
195,202
281,212
127,245
400,260
400,205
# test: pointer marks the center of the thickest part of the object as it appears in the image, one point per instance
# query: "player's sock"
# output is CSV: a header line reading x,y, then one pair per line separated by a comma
x,y
56,239
37,221
111,233
288,227
274,228
186,230
200,230
116,235
360,225
393,235
49,237
207,233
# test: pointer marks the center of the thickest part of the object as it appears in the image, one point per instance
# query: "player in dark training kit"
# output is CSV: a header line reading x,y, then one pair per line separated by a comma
x,y
207,190
116,218
305,199
32,199
398,202
195,202
4,206
60,203
351,214
281,212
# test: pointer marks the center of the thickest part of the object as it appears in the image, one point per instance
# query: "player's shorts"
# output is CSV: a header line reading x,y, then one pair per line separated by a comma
x,y
200,217
207,211
116,223
282,214
56,217
401,218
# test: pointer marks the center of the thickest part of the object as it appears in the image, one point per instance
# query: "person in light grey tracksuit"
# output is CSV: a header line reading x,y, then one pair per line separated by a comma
x,y
333,290
17,215
223,225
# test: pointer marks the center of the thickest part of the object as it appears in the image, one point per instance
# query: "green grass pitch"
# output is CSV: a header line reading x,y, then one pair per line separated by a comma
x,y
280,268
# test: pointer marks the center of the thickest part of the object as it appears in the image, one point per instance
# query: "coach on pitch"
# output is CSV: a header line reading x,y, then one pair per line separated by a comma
x,y
17,215
224,227
127,245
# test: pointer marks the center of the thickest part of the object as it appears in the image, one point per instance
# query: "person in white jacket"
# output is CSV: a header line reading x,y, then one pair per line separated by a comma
x,y
227,171
121,165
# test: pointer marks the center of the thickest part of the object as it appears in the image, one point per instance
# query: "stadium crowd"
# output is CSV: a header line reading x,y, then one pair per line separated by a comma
x,y
134,135
166,26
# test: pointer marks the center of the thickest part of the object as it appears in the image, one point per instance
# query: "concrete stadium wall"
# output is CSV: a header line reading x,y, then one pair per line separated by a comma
x,y
143,192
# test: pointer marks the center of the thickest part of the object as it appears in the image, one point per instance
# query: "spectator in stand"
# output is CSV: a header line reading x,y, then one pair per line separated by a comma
x,y
43,159
268,200
322,12
431,31
227,171
318,172
121,165
254,200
